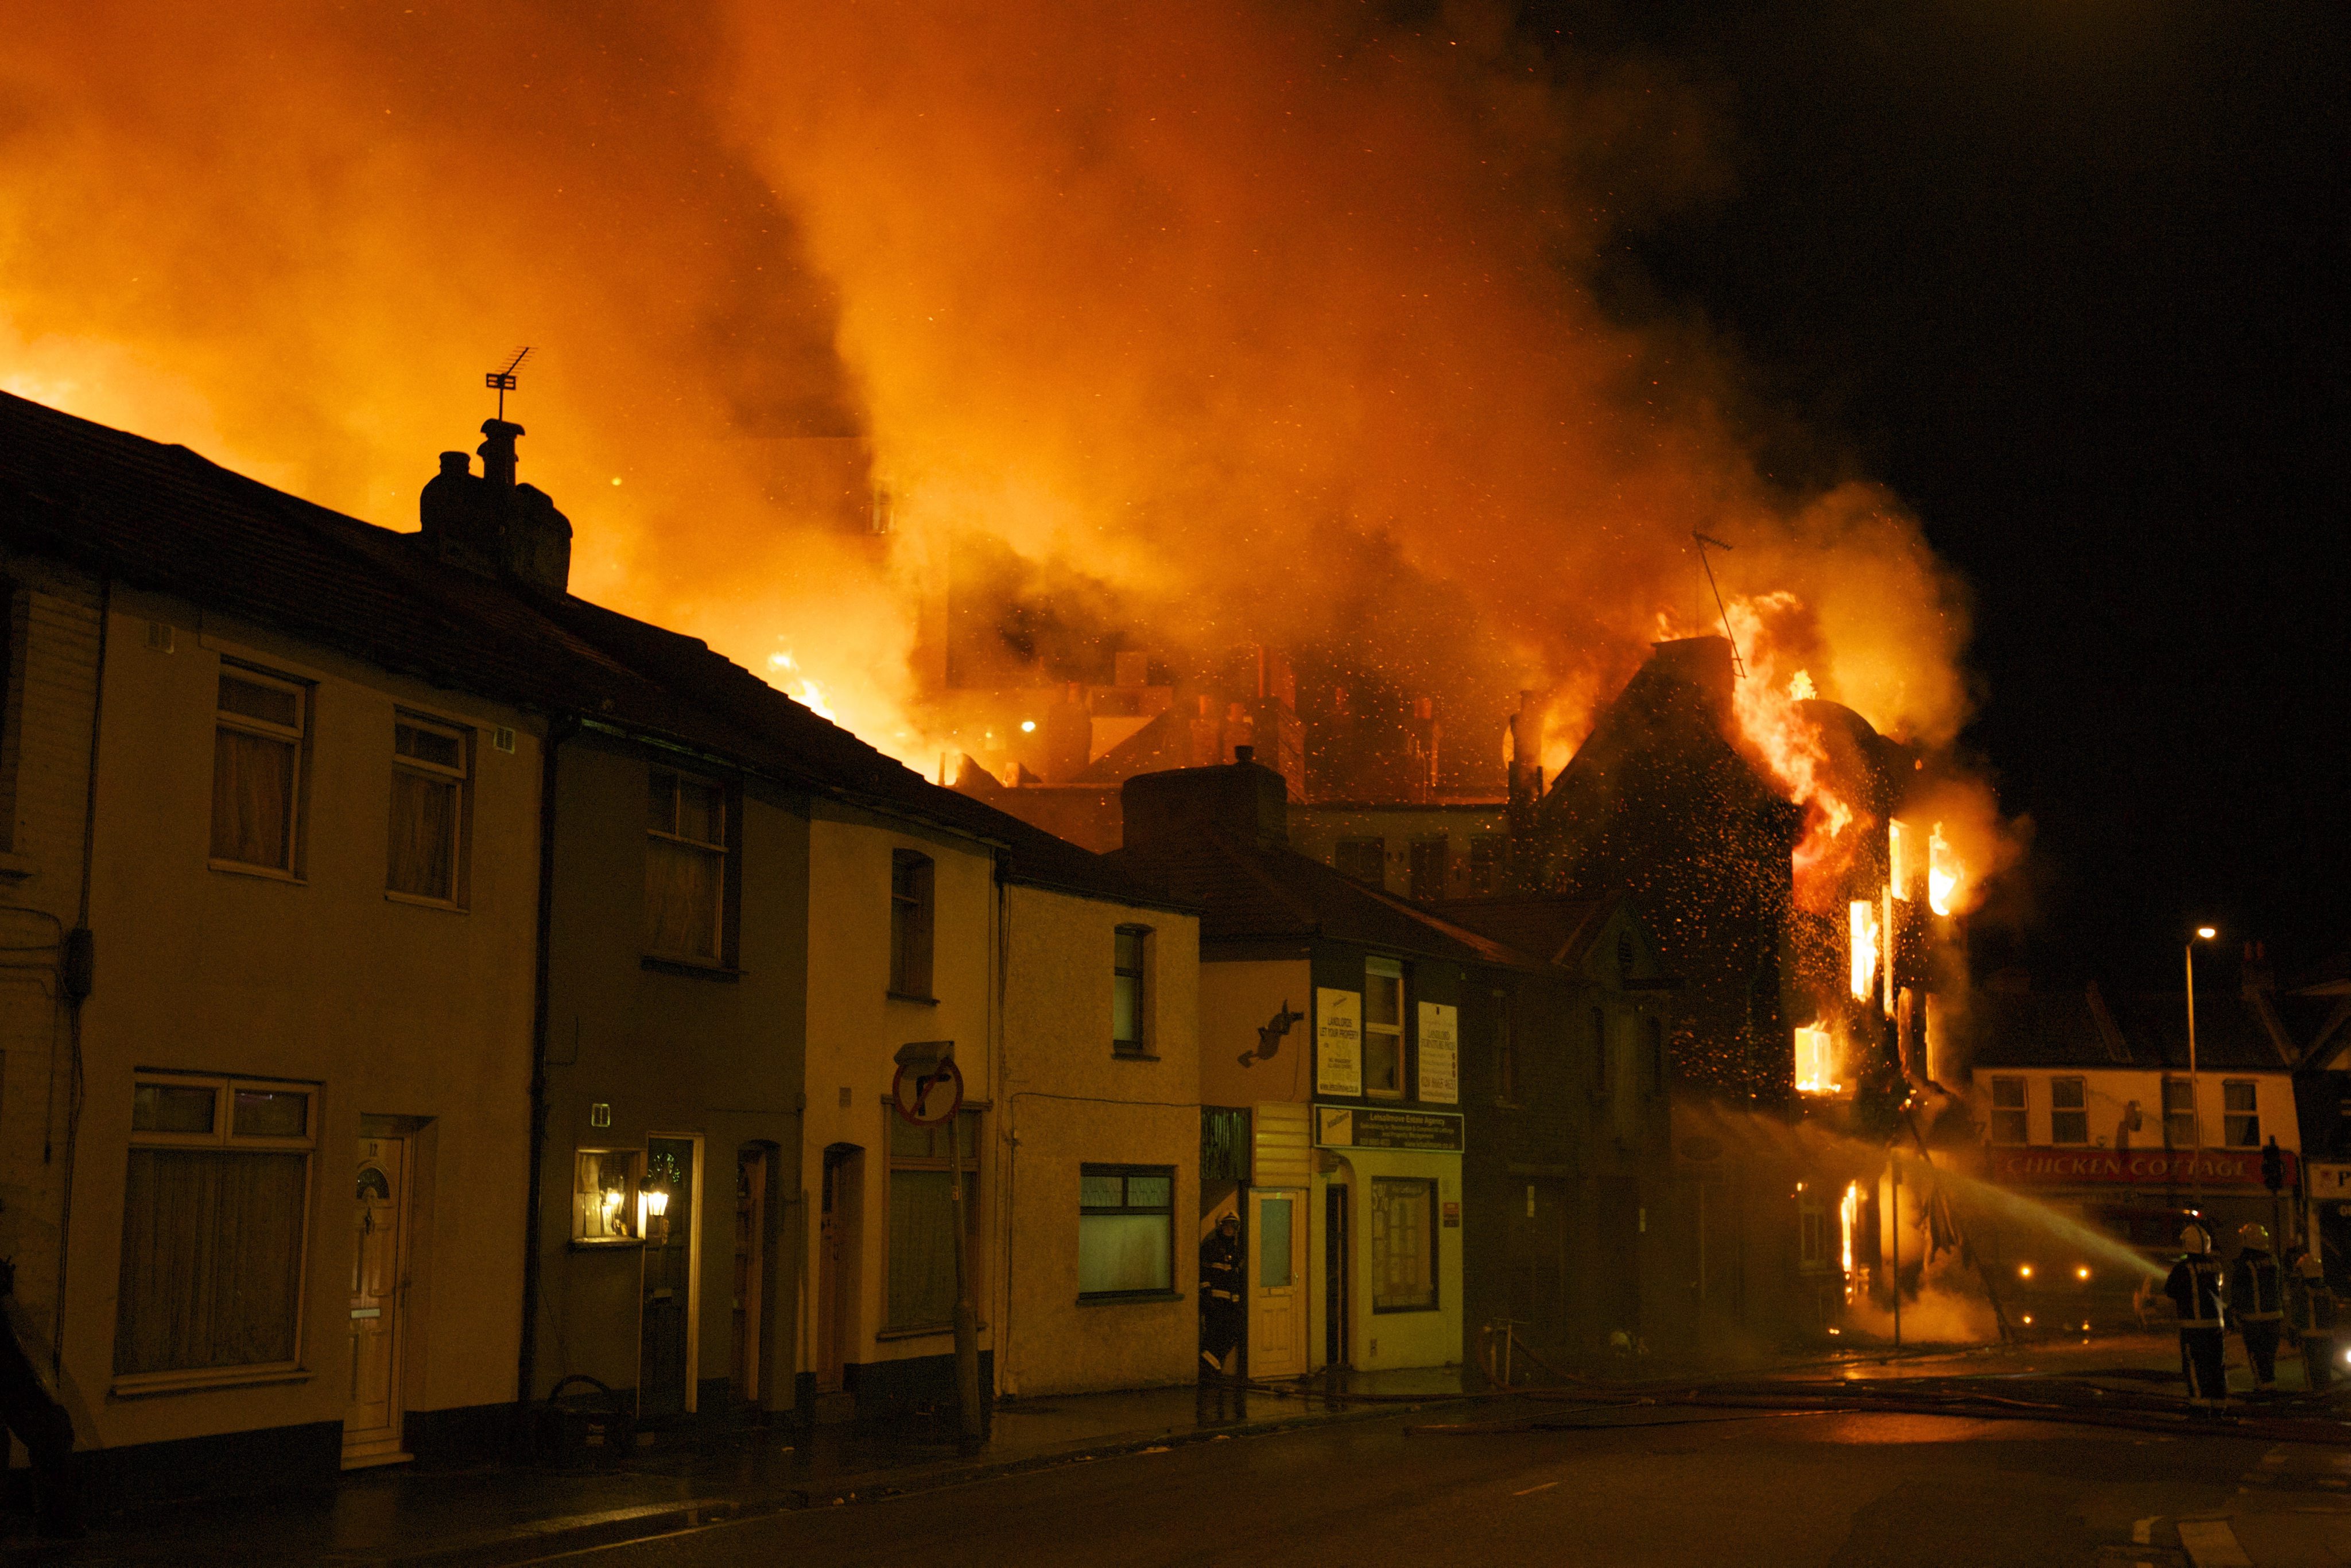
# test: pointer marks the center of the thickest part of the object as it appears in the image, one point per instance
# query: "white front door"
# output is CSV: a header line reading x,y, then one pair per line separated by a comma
x,y
372,1415
1277,1343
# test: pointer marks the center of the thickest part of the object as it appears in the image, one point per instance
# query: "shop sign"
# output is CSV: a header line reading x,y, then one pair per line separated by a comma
x,y
1440,1054
1362,1127
2328,1184
2133,1167
1338,1041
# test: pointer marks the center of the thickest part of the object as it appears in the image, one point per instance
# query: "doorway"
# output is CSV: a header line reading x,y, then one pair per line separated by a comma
x,y
836,1262
665,1362
745,1365
372,1415
1336,1298
1276,1256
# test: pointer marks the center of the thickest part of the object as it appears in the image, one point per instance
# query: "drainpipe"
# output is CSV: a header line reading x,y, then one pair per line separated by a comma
x,y
76,963
559,728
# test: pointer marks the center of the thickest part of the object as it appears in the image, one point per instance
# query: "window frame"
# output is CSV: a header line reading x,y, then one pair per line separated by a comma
x,y
1506,1051
920,909
1358,846
893,1162
1375,1242
224,1138
1140,1046
631,1207
723,849
1166,1292
2059,1084
2021,1111
1488,854
1604,1074
2186,1113
297,795
1428,867
2229,1117
1387,968
461,857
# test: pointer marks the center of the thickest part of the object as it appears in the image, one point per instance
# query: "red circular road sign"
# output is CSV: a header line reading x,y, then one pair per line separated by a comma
x,y
928,1098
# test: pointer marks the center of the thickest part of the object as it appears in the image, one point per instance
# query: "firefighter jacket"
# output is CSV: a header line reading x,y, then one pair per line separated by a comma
x,y
2256,1288
1221,1271
2196,1287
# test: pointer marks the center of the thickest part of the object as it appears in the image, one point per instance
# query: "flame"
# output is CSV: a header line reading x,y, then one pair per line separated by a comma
x,y
1945,874
1799,687
1816,1062
1849,1212
1864,924
1215,327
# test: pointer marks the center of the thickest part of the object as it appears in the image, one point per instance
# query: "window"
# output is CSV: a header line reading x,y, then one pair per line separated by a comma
x,y
2008,1118
1432,860
685,868
1126,993
1403,1245
1365,860
2069,1118
259,735
1126,1231
2241,1116
1506,1051
429,765
1486,853
910,924
1812,1231
2179,1113
216,1207
1383,1029
605,1205
922,1285
1654,1061
1600,1063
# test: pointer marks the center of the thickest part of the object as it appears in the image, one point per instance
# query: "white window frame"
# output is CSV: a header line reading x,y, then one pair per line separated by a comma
x,y
2021,1111
2227,1117
461,776
1387,968
2188,1135
305,694
721,937
223,1135
1140,1046
2057,1108
1126,1207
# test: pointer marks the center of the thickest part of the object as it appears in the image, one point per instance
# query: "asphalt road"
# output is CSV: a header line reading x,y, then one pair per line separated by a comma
x,y
1664,1487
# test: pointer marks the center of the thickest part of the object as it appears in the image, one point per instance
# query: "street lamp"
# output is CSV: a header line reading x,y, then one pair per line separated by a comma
x,y
2195,1102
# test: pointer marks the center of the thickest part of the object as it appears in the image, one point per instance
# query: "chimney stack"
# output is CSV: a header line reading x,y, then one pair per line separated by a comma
x,y
492,525
1243,799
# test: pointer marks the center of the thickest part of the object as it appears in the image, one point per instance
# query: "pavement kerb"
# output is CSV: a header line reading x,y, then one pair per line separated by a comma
x,y
545,1537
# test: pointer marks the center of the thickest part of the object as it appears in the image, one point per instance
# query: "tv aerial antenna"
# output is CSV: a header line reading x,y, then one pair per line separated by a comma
x,y
1737,664
505,381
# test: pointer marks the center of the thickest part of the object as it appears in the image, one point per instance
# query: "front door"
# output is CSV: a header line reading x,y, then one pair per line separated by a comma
x,y
1335,1295
750,1269
665,1366
372,1415
1277,1283
836,1264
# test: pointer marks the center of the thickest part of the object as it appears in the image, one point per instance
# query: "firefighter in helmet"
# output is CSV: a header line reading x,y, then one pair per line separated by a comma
x,y
2196,1287
1220,1295
2257,1303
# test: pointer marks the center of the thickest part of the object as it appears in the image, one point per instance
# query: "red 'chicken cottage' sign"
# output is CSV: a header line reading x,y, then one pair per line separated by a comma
x,y
2130,1167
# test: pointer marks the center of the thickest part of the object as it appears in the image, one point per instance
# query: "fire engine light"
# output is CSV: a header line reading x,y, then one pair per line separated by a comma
x,y
2025,1270
2082,1272
1028,727
2028,1320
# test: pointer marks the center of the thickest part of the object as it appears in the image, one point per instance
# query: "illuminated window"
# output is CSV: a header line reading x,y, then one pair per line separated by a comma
x,y
216,1208
604,1192
1383,1029
2240,1117
2069,1117
260,738
1403,1245
2008,1114
429,767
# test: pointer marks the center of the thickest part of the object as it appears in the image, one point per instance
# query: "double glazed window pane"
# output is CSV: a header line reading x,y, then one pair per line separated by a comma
x,y
252,798
2069,1117
2179,1112
1126,1231
212,1253
2008,1120
1383,1031
423,835
174,1108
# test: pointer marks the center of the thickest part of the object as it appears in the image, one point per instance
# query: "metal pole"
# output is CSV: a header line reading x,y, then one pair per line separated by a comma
x,y
1894,1171
2195,1097
967,1317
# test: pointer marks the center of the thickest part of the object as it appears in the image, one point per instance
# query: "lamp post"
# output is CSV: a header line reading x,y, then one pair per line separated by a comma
x,y
2195,1101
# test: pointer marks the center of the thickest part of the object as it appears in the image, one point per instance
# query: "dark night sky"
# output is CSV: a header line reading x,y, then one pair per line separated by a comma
x,y
2069,275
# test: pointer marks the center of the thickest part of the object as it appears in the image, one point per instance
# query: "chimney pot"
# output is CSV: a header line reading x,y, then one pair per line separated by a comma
x,y
499,459
1244,754
456,463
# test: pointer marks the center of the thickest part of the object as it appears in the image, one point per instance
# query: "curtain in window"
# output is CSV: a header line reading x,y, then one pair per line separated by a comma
x,y
212,1258
921,1249
1125,1253
423,835
682,898
252,798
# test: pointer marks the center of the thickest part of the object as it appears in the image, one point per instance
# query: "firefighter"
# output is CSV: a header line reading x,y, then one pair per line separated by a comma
x,y
2313,1315
2195,1287
1220,1295
2257,1303
39,1422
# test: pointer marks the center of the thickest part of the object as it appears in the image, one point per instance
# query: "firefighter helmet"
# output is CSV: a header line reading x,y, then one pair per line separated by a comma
x,y
2254,1236
2196,1238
